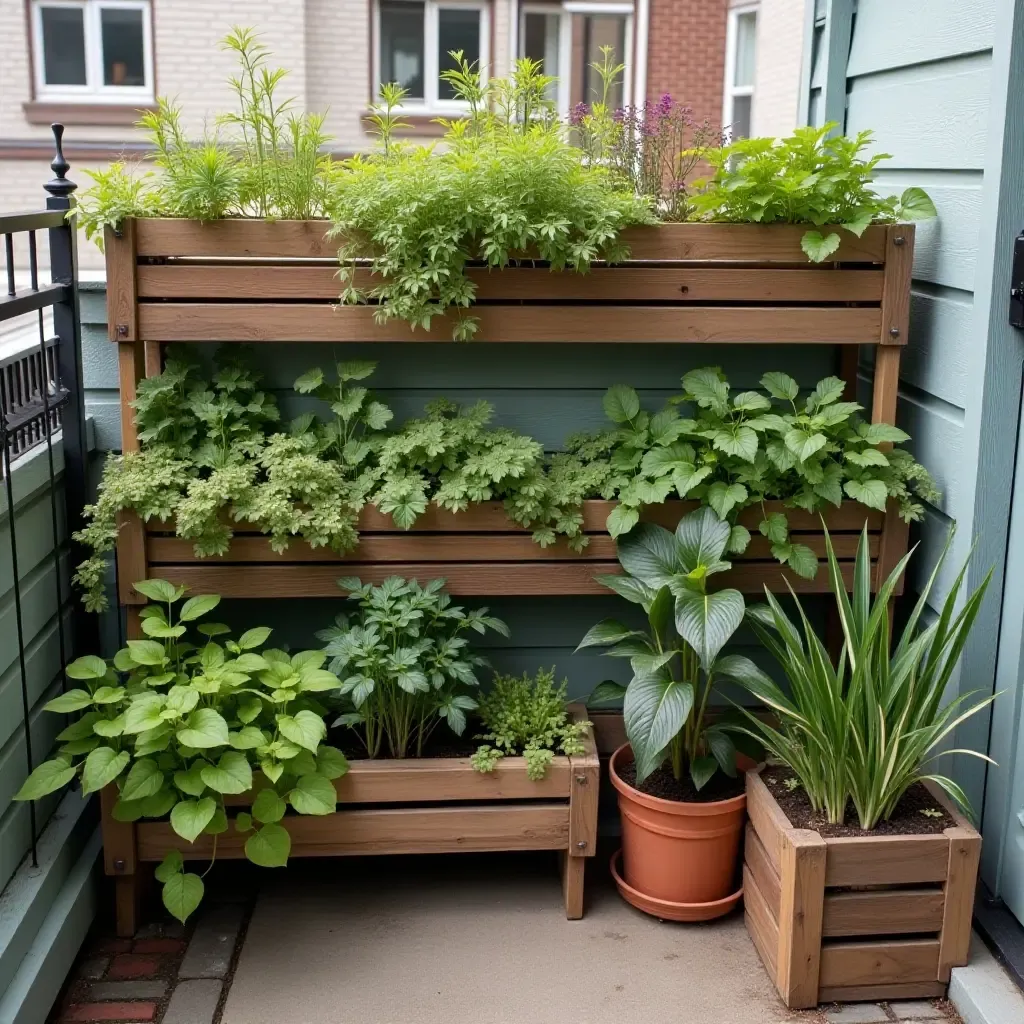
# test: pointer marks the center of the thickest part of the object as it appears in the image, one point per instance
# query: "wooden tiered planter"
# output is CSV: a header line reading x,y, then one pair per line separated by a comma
x,y
878,917
257,281
424,805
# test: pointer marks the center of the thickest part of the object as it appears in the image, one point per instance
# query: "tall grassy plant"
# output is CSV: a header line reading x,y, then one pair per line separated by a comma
x,y
868,728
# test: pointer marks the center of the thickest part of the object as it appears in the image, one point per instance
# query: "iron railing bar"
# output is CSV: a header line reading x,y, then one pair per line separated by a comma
x,y
19,354
30,220
33,266
33,410
15,305
9,252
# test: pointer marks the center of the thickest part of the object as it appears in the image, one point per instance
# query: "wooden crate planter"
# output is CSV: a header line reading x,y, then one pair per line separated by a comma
x,y
424,805
882,917
259,281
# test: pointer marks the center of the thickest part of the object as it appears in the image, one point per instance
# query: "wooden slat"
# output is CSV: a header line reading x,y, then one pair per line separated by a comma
x,y
303,322
871,993
899,264
490,517
263,283
802,886
119,854
521,579
886,860
768,819
892,546
585,783
763,871
305,240
573,872
962,877
122,298
900,961
886,384
540,826
882,912
131,536
452,547
761,926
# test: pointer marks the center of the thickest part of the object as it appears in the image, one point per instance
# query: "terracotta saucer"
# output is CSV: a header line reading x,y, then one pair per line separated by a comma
x,y
666,909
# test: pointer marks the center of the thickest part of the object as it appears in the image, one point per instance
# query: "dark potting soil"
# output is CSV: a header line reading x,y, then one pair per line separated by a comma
x,y
440,744
907,819
662,783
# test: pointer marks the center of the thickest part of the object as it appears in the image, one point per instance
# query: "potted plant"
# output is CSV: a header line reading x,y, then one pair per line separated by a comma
x,y
681,821
860,867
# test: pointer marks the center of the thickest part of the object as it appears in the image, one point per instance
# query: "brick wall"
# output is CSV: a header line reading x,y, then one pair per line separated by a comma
x,y
686,54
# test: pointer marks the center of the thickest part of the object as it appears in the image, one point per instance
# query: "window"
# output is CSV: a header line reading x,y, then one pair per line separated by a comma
x,y
740,57
93,50
567,39
415,41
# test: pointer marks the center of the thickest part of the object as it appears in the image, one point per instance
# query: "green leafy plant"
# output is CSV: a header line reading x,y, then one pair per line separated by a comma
x,y
405,663
812,177
526,716
866,728
507,184
678,660
177,724
117,192
738,450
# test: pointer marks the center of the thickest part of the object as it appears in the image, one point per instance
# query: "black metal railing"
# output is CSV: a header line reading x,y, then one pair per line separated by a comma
x,y
41,393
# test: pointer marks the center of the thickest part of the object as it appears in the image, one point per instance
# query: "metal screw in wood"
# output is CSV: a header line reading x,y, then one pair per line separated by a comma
x,y
581,779
894,332
122,330
899,240
582,844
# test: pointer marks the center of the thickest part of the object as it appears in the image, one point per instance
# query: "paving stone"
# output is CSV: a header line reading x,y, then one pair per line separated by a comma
x,y
113,946
131,965
161,930
917,1009
193,1002
155,988
94,968
115,1011
213,943
159,945
857,1013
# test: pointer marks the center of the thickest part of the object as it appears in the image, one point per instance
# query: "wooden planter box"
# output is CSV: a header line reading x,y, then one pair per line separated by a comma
x,y
882,917
423,805
260,281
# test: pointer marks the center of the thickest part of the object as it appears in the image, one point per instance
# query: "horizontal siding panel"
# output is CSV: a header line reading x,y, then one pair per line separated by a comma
x,y
937,430
937,356
943,113
891,35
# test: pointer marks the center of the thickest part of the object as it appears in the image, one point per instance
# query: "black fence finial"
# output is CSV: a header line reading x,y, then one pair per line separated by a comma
x,y
59,187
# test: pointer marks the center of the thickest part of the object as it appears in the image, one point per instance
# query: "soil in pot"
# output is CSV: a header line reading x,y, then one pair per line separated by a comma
x,y
664,785
680,858
909,818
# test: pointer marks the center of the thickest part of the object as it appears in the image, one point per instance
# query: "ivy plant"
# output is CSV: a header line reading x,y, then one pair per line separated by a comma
x,y
525,716
405,662
181,719
812,177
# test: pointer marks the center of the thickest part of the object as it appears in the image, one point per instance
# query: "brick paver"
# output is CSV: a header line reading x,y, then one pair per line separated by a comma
x,y
132,965
134,1011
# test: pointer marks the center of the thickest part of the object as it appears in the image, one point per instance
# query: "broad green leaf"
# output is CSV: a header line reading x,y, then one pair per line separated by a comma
x,y
356,369
197,607
158,590
655,709
204,728
622,519
307,729
268,807
108,694
190,817
247,738
108,727
191,781
804,444
826,392
249,709
182,699
867,457
255,637
708,621
606,692
872,493
882,433
751,401
739,441
269,846
159,804
231,774
780,385
243,821
309,381
686,479
147,652
701,538
313,794
126,810
649,553
701,770
102,766
181,894
73,700
143,713
218,823
621,403
45,779
171,865
608,631
775,527
739,539
89,667
916,204
819,247
708,389
144,779
803,561
723,498
158,629
331,763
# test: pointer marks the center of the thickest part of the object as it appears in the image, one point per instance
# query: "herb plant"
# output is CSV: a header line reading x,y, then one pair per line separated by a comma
x,y
678,660
868,727
405,663
526,716
177,724
811,177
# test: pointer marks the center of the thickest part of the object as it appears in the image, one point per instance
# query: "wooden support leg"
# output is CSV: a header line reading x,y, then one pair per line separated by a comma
x,y
573,869
127,898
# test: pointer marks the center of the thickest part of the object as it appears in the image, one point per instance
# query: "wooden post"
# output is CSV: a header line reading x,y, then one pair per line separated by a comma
x,y
120,861
958,906
800,915
584,786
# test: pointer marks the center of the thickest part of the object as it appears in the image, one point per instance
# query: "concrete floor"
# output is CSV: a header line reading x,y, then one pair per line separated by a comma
x,y
483,940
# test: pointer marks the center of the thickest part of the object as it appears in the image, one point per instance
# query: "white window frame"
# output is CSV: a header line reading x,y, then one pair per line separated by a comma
x,y
731,91
564,46
94,91
431,102
627,10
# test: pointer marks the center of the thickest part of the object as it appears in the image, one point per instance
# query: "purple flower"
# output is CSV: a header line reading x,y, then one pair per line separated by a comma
x,y
664,107
578,113
620,115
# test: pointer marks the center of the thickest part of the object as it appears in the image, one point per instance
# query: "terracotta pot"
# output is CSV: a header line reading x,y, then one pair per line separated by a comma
x,y
678,854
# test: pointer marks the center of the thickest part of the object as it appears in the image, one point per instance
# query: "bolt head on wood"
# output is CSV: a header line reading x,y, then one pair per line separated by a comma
x,y
122,330
581,779
119,865
899,240
582,844
894,332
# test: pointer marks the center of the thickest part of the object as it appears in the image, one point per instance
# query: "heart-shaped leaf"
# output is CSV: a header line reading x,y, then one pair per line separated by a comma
x,y
181,894
204,728
268,806
46,778
655,710
89,667
232,774
707,621
73,700
197,607
102,766
190,817
269,846
313,794
144,779
650,554
306,729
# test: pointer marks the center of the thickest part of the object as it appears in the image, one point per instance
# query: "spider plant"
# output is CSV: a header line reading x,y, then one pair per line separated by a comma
x,y
868,727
